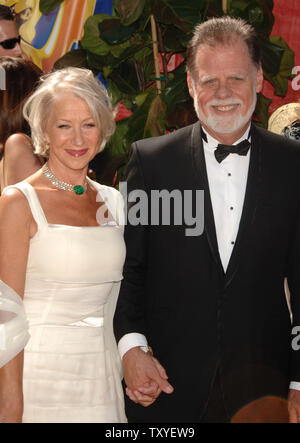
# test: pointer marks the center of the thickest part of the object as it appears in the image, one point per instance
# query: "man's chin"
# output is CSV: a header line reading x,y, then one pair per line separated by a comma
x,y
225,127
226,130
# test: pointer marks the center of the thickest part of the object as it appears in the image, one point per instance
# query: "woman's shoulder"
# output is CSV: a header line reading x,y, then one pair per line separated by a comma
x,y
16,145
13,202
15,192
105,190
18,141
113,200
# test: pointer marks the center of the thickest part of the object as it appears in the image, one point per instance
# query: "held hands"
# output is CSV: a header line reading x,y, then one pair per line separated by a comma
x,y
144,376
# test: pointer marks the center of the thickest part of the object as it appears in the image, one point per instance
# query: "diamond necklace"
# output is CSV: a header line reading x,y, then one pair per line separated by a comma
x,y
78,189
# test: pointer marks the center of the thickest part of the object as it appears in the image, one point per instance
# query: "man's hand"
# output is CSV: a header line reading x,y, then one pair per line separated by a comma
x,y
144,376
294,406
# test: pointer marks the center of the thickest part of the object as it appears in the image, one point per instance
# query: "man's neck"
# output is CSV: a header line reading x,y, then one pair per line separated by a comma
x,y
227,139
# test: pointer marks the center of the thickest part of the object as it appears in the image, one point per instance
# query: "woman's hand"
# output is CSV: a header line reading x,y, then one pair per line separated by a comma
x,y
11,396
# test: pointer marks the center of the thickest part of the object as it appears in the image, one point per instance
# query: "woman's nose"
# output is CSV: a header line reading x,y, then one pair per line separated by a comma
x,y
78,137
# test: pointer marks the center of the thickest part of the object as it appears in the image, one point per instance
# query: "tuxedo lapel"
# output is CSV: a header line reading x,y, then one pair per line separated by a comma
x,y
250,203
201,180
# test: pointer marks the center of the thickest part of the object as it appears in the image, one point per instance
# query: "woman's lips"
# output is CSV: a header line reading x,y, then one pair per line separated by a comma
x,y
77,152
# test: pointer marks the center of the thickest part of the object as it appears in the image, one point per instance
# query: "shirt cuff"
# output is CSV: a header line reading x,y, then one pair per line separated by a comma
x,y
295,385
131,340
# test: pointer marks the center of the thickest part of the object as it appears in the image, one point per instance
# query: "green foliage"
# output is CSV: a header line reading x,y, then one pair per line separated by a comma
x,y
47,6
120,46
279,77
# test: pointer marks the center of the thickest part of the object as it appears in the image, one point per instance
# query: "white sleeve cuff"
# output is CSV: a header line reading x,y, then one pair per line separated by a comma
x,y
295,385
129,341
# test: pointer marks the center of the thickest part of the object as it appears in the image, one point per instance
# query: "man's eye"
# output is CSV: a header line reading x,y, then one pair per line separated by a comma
x,y
209,82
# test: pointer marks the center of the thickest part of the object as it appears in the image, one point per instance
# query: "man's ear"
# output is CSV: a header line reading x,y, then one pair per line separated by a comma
x,y
190,84
259,79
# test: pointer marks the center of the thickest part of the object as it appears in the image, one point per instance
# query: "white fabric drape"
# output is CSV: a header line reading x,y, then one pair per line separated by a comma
x,y
14,333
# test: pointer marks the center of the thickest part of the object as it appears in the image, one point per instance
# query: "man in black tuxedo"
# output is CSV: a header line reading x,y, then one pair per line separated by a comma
x,y
212,306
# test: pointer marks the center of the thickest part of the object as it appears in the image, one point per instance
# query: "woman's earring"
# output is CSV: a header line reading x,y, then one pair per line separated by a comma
x,y
47,148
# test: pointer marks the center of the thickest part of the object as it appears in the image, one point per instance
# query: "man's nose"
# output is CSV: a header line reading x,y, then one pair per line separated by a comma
x,y
223,90
17,51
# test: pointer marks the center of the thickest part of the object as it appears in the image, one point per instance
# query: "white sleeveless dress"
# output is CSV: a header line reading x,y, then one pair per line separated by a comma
x,y
72,371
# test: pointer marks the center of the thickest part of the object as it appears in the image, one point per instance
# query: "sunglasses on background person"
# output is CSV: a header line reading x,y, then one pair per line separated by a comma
x,y
10,43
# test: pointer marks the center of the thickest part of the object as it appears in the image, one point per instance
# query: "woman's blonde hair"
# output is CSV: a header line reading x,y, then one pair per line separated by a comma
x,y
78,81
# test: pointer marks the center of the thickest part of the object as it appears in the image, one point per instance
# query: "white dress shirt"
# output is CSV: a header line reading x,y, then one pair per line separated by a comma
x,y
227,185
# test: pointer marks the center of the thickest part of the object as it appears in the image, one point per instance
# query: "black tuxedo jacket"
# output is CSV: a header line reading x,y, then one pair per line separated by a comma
x,y
197,318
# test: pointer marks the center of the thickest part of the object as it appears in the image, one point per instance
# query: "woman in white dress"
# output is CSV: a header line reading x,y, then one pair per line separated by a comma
x,y
62,253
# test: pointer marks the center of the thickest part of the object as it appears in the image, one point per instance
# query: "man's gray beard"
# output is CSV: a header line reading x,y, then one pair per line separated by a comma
x,y
224,124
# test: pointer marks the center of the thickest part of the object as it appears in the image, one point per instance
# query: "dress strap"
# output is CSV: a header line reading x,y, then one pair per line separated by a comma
x,y
33,201
113,201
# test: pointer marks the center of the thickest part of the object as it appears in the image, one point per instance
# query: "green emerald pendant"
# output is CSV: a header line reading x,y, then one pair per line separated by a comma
x,y
78,189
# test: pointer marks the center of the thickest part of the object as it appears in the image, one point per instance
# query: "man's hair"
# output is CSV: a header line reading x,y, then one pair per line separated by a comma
x,y
223,31
6,13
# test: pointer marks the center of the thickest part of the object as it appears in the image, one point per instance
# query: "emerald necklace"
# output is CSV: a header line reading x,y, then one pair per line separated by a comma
x,y
78,189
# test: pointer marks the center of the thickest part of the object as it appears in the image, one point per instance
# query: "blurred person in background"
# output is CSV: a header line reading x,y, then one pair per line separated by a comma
x,y
18,160
9,34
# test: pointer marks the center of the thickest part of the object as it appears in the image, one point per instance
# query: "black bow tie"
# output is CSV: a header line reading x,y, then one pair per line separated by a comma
x,y
223,151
